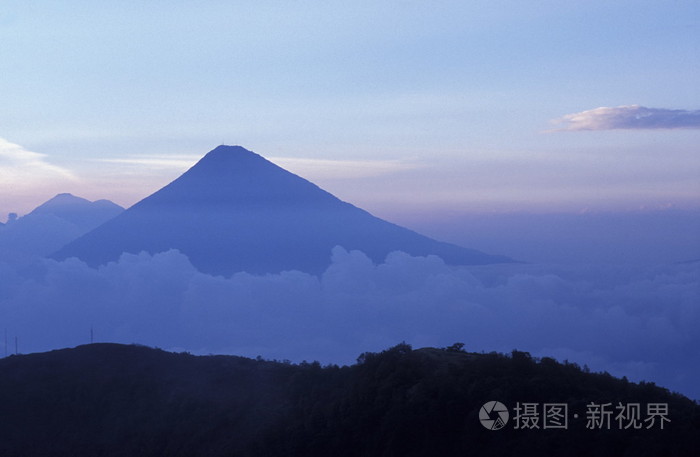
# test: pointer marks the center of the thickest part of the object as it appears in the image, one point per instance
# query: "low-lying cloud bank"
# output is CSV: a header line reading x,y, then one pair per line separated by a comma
x,y
640,322
629,117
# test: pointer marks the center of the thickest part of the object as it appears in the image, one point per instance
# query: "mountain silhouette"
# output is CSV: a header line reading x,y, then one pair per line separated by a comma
x,y
236,211
51,225
82,213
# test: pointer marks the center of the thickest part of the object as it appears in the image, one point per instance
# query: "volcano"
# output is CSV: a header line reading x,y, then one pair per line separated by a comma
x,y
236,211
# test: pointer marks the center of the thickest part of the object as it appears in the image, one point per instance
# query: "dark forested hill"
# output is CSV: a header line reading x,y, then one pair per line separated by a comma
x,y
116,400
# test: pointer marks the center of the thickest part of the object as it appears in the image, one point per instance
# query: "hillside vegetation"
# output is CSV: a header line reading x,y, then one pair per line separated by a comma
x,y
118,400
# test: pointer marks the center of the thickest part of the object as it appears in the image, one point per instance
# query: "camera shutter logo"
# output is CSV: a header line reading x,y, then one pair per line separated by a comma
x,y
494,415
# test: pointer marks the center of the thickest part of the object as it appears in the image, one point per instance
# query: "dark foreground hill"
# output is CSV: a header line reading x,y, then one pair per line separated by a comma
x,y
236,211
115,400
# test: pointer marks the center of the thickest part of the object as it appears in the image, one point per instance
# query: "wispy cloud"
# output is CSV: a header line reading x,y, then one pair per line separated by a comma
x,y
17,164
342,169
25,174
180,162
632,117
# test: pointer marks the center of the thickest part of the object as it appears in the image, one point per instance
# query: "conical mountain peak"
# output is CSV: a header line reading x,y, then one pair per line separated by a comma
x,y
236,211
229,151
230,161
231,156
238,178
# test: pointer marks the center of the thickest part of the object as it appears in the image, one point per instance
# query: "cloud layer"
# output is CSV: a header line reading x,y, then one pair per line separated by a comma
x,y
640,322
629,117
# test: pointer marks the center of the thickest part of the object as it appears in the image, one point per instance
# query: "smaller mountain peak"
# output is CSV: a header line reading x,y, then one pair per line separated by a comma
x,y
64,202
64,199
66,196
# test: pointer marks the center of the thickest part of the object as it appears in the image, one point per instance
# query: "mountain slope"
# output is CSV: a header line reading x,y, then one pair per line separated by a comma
x,y
116,400
236,211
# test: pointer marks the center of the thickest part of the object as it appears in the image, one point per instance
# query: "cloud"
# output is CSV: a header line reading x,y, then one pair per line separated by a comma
x,y
313,168
157,161
25,174
642,322
20,167
342,169
632,117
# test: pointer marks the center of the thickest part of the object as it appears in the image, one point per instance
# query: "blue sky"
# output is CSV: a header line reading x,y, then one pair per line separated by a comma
x,y
397,105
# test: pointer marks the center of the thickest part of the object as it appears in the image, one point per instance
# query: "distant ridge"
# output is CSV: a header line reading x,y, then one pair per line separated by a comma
x,y
79,211
236,211
51,225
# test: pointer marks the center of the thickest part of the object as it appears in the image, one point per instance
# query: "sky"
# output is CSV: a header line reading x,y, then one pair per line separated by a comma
x,y
461,119
396,106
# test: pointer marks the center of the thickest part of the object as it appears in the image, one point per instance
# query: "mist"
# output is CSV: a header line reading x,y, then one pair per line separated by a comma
x,y
643,236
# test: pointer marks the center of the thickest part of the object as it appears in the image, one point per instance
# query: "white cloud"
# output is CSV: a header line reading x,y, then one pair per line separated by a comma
x,y
629,117
20,167
642,322
310,168
342,169
27,175
157,161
